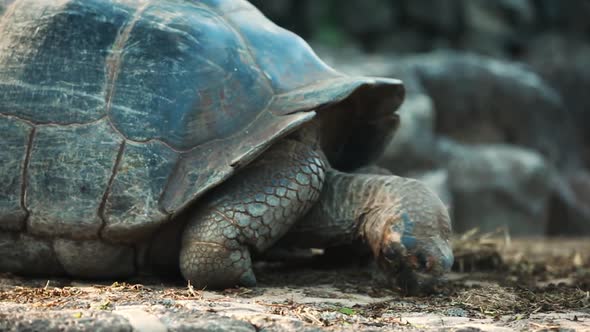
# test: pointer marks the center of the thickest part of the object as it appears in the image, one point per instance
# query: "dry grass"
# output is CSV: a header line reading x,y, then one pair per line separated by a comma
x,y
476,251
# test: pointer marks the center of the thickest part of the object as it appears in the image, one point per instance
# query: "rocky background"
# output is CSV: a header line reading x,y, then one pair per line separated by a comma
x,y
496,117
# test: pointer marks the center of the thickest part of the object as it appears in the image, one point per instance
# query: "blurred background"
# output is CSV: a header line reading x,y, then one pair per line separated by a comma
x,y
496,118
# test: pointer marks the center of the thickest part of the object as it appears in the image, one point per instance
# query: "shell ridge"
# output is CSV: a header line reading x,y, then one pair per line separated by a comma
x,y
113,65
16,117
307,85
167,185
77,93
237,132
101,206
114,59
51,123
25,177
52,89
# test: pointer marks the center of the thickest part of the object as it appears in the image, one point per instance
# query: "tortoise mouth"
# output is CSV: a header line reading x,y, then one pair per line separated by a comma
x,y
356,130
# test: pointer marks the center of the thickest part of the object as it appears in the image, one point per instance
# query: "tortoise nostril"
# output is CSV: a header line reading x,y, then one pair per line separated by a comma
x,y
393,251
425,262
415,262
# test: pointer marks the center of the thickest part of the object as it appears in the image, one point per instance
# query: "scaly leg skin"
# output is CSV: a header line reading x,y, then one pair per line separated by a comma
x,y
404,224
250,211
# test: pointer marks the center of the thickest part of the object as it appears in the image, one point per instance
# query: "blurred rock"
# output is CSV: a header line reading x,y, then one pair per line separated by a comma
x,y
443,16
407,41
565,65
361,18
496,186
497,18
438,181
483,101
569,208
364,21
480,100
474,99
276,8
291,15
569,17
488,28
415,139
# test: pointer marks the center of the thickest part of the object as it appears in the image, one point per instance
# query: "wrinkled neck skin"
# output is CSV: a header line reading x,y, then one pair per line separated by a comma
x,y
398,218
354,206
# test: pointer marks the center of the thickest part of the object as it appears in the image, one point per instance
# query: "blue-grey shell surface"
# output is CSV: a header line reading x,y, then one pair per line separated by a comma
x,y
116,114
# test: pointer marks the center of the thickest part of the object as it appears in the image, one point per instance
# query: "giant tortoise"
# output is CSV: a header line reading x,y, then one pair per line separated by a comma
x,y
136,134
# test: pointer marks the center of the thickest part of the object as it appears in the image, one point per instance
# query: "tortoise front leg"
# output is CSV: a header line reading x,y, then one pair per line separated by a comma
x,y
404,223
250,211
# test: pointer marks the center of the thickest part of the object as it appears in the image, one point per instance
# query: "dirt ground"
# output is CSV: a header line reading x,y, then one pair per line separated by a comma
x,y
499,284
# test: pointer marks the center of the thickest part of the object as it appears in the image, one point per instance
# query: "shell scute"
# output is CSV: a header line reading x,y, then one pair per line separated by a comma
x,y
197,84
69,172
49,71
15,136
131,209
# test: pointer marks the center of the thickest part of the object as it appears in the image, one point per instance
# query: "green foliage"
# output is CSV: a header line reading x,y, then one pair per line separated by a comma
x,y
347,311
328,30
329,34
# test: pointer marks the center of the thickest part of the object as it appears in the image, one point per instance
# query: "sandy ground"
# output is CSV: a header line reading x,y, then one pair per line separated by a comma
x,y
532,285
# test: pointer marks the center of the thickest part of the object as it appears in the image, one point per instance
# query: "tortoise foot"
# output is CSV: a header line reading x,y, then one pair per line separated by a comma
x,y
212,265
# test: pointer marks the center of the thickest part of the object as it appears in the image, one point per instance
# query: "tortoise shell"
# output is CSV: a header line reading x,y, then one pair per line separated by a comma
x,y
115,115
